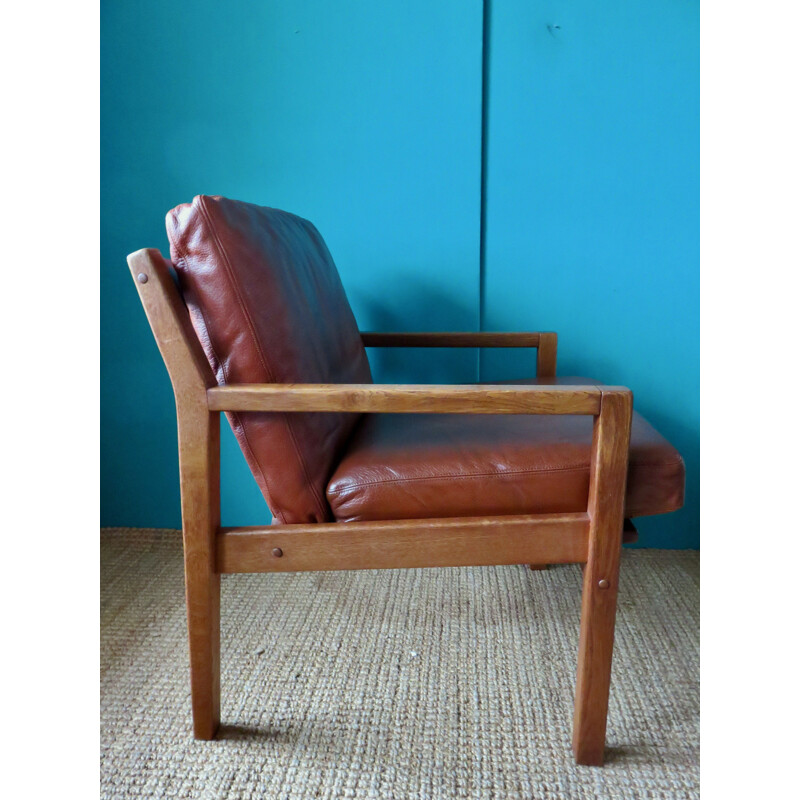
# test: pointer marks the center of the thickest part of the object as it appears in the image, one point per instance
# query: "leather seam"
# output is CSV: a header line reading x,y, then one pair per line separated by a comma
x,y
248,320
507,473
456,477
233,415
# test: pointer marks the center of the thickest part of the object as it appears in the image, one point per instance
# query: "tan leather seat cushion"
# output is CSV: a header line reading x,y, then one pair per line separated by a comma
x,y
414,466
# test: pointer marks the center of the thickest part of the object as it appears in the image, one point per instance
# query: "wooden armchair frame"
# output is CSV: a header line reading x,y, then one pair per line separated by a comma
x,y
593,537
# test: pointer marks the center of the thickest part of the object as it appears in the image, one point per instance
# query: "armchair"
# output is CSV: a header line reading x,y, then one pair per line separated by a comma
x,y
366,476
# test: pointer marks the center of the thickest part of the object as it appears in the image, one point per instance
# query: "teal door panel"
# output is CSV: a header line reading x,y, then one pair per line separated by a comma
x,y
592,205
363,117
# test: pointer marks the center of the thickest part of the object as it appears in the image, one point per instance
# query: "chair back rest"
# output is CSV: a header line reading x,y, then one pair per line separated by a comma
x,y
268,306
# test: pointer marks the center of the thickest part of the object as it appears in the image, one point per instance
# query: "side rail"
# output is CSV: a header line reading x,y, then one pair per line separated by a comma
x,y
545,343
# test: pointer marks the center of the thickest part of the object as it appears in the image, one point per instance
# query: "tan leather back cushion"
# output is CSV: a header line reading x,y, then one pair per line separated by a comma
x,y
268,306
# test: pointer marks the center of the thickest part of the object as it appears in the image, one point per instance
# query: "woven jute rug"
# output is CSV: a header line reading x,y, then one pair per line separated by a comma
x,y
440,683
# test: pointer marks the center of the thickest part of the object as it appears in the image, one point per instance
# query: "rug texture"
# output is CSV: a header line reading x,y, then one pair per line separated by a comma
x,y
440,683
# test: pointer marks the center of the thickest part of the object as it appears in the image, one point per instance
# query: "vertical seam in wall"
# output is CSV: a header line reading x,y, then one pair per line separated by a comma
x,y
484,152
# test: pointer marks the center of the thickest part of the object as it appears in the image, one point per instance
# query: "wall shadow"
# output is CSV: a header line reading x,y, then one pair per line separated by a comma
x,y
418,307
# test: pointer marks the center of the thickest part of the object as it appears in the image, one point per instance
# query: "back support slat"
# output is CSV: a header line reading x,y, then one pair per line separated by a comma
x,y
169,319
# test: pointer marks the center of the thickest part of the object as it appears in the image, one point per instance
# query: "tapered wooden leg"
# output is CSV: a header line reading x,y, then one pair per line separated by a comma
x,y
594,664
600,576
202,603
199,453
198,449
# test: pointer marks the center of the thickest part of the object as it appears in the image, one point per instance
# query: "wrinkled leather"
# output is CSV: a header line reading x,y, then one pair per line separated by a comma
x,y
268,306
415,466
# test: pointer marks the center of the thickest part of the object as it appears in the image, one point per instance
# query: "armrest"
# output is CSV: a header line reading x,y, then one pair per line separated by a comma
x,y
545,342
410,399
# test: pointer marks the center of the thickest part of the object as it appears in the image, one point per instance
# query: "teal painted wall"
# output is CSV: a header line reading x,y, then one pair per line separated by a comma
x,y
363,117
592,205
367,119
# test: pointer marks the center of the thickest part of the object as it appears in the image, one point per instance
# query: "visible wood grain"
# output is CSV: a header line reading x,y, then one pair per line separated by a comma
x,y
407,399
608,472
546,355
198,445
593,537
629,536
450,339
169,319
198,449
556,538
545,342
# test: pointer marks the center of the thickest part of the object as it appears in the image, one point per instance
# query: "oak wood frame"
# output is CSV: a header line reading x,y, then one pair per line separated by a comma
x,y
545,342
593,537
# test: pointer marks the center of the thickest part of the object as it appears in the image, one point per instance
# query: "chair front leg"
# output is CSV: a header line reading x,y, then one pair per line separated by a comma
x,y
609,466
198,435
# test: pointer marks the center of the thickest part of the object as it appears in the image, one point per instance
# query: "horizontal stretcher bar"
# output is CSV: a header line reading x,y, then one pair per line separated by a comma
x,y
466,541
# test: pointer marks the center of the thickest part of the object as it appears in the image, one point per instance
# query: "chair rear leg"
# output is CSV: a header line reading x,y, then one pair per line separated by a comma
x,y
199,456
202,605
198,449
